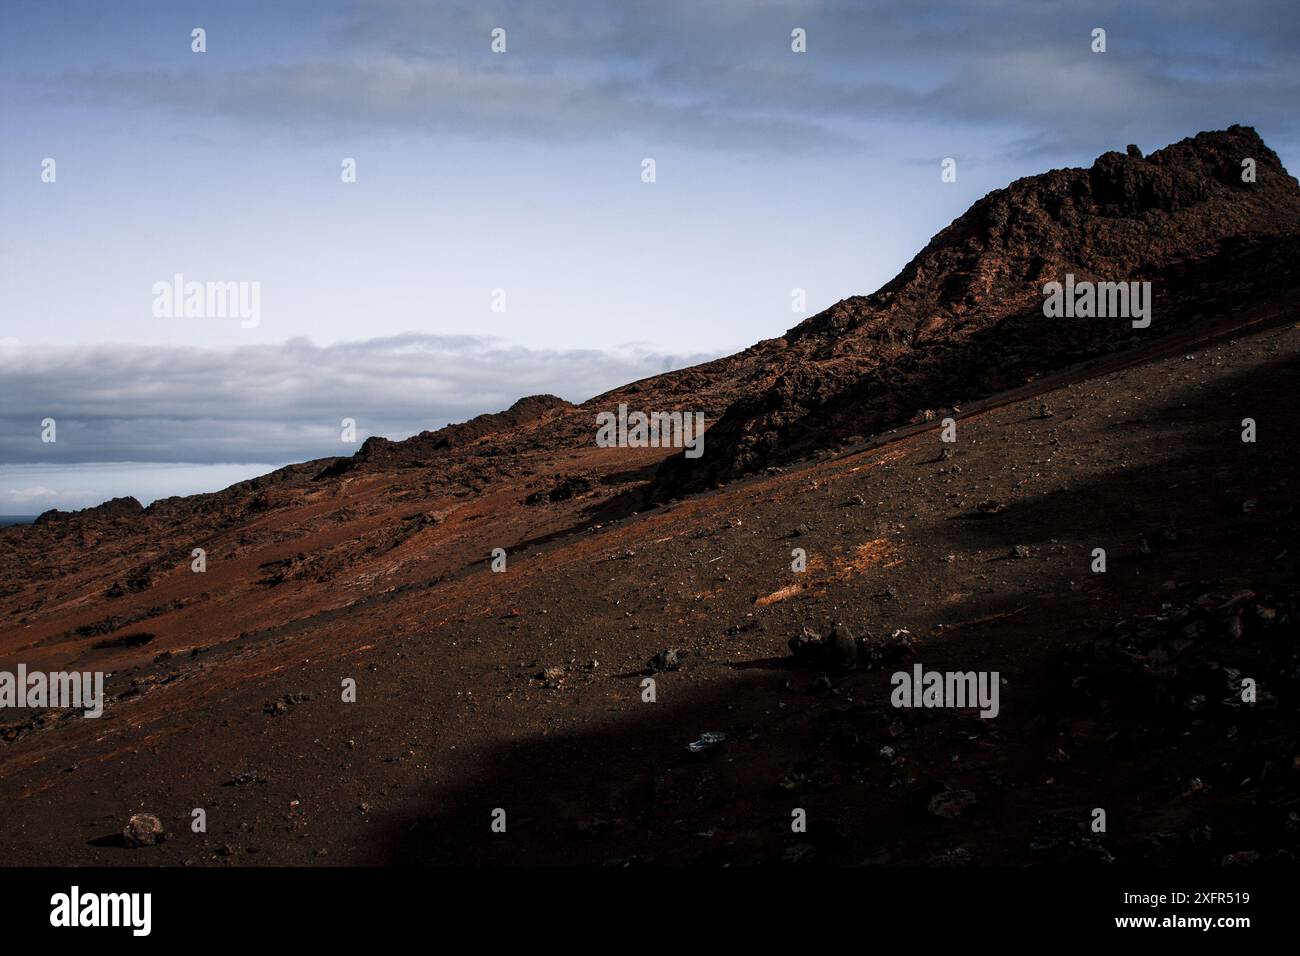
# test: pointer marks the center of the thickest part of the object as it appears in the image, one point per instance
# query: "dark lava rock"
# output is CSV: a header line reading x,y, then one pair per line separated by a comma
x,y
126,507
806,646
841,649
837,653
430,446
139,639
950,803
565,488
281,705
143,829
964,319
666,660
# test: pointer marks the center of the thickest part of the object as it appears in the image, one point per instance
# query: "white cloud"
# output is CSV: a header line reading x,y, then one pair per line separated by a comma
x,y
72,486
278,403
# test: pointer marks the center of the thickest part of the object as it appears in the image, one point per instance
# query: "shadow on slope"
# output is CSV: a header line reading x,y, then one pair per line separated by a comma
x,y
1103,719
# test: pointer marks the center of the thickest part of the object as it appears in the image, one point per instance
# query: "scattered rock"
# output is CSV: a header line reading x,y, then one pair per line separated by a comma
x,y
958,856
281,705
666,660
566,487
245,778
139,639
950,803
143,829
806,646
841,649
707,741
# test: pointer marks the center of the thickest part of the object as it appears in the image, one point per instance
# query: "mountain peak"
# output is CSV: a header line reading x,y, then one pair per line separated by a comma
x,y
964,317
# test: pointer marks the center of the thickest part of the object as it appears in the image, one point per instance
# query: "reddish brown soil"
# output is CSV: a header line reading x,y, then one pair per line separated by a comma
x,y
522,690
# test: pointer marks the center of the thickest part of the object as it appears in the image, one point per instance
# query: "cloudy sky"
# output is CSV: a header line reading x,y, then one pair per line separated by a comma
x,y
499,239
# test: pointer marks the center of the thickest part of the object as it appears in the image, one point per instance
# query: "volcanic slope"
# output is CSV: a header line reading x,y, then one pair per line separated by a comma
x,y
964,319
523,689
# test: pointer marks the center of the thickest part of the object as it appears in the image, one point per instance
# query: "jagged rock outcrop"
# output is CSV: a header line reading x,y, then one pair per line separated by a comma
x,y
420,449
126,507
964,318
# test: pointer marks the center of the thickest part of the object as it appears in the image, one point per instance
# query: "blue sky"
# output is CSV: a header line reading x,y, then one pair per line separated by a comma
x,y
519,171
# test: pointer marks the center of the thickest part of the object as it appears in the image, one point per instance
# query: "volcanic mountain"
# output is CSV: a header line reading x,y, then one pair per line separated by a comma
x,y
964,319
768,590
